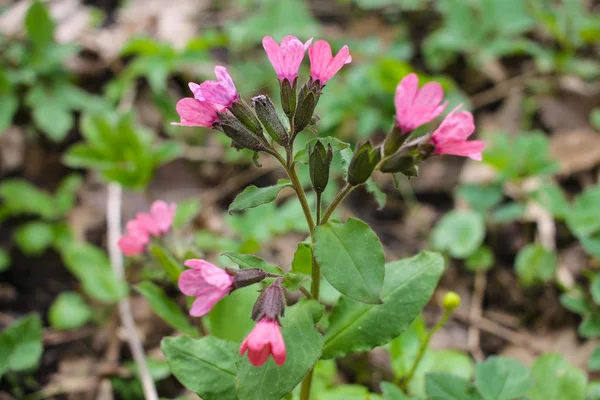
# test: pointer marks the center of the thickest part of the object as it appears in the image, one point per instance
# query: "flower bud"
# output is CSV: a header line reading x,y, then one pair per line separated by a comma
x,y
244,114
245,277
265,110
319,161
287,92
307,101
270,303
363,163
240,135
393,141
451,301
400,162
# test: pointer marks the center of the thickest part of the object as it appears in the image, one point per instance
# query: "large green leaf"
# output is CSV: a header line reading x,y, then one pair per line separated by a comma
x,y
502,378
253,196
21,197
165,308
393,392
351,259
54,120
584,217
69,311
39,24
170,265
230,318
303,345
205,366
408,285
34,237
556,379
535,264
21,344
445,386
460,233
249,261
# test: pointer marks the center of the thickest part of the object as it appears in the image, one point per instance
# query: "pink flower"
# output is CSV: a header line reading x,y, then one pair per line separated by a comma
x,y
205,281
416,107
451,136
286,59
131,246
221,92
264,339
162,214
195,112
140,228
323,66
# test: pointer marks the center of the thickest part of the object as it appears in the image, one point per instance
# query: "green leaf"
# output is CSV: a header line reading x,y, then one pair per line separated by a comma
x,y
481,260
205,366
34,238
165,308
230,318
553,199
595,288
302,262
594,361
590,326
54,120
69,311
254,197
186,212
502,378
481,197
408,286
21,197
576,302
556,379
170,265
65,195
4,260
21,344
303,346
380,197
584,217
507,213
534,264
39,24
246,261
393,392
460,233
445,386
9,103
351,259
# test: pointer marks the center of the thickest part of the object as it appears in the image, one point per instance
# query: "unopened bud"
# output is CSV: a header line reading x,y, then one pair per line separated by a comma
x,y
245,277
318,162
393,140
240,135
288,96
451,301
307,101
270,303
400,162
363,163
265,110
244,114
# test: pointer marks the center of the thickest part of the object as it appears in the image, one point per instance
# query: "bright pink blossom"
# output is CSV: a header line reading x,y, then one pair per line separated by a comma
x,y
139,229
195,112
162,214
451,136
131,246
286,59
205,281
264,339
221,92
323,66
414,106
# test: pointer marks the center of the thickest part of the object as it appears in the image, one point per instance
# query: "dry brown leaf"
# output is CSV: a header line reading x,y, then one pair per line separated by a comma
x,y
575,150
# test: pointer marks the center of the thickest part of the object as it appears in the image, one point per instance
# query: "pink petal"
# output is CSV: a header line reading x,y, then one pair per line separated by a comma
x,y
205,302
130,246
148,223
196,113
320,56
163,214
406,92
274,54
137,231
258,358
341,58
210,273
431,94
195,88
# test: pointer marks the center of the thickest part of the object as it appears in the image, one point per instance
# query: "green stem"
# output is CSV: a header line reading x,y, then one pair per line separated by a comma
x,y
301,197
336,202
318,208
306,384
423,348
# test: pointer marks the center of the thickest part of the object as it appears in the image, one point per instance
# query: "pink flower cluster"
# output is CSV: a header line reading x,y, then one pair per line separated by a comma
x,y
209,284
416,107
211,97
139,230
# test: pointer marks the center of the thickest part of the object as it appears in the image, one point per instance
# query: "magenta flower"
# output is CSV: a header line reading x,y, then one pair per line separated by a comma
x,y
195,112
286,59
205,281
221,92
135,240
451,136
265,339
416,107
323,66
162,214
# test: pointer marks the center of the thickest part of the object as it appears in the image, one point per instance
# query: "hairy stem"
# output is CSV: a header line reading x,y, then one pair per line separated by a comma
x,y
318,208
336,202
423,348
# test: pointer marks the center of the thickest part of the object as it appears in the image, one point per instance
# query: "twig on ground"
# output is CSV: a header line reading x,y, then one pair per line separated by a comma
x,y
475,313
113,215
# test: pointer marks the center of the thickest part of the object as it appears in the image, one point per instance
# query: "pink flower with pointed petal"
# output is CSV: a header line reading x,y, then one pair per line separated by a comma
x,y
451,136
163,214
323,66
264,340
414,106
148,223
131,246
205,281
195,112
286,59
221,92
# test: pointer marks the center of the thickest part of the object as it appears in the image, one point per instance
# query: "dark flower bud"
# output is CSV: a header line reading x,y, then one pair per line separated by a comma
x,y
245,277
319,161
363,163
240,135
393,140
270,303
401,162
265,110
287,91
307,102
244,114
